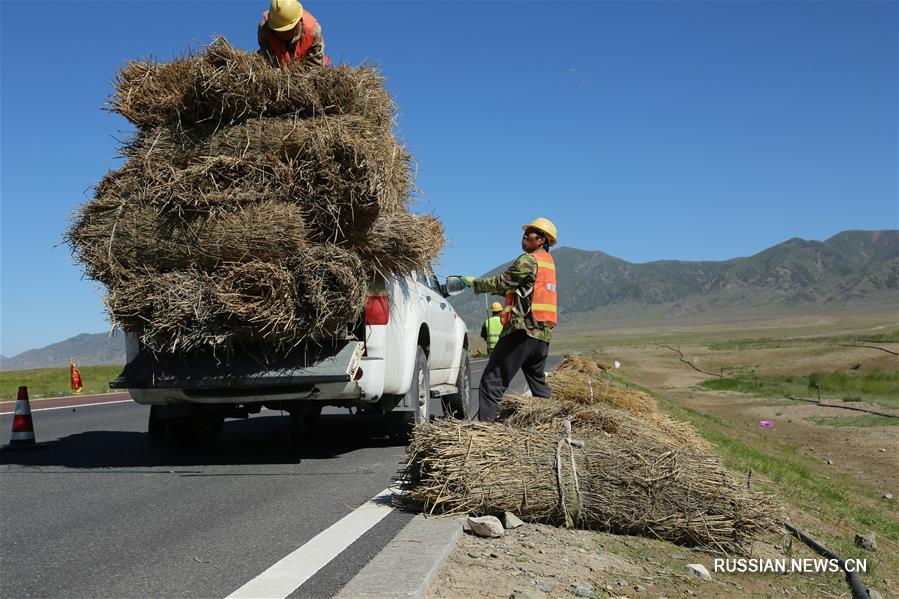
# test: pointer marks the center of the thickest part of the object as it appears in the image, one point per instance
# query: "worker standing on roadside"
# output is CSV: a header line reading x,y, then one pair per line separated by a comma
x,y
288,33
492,327
528,318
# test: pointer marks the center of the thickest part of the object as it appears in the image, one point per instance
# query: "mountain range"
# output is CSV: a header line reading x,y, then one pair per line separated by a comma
x,y
852,268
86,349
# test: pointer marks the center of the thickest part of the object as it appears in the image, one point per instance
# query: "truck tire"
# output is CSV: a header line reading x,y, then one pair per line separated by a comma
x,y
458,405
418,396
201,429
420,390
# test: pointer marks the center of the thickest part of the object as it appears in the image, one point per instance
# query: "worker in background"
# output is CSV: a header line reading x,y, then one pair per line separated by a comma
x,y
288,33
492,327
528,318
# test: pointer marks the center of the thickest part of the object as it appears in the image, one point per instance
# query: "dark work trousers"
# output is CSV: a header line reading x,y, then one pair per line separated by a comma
x,y
511,353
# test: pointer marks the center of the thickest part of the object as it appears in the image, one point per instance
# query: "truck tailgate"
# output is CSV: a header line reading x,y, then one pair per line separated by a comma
x,y
334,363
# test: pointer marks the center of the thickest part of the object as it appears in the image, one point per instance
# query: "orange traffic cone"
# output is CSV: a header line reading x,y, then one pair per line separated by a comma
x,y
22,436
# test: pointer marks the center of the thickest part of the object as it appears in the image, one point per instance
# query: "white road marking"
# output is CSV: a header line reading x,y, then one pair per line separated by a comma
x,y
297,567
83,405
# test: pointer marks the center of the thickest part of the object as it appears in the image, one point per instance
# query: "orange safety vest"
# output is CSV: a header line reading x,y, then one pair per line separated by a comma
x,y
543,294
279,48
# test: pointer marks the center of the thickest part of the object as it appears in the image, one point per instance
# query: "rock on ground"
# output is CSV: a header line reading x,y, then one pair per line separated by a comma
x,y
699,570
510,520
486,526
866,541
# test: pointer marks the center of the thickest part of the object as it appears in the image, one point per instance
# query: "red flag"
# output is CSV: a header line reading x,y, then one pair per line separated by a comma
x,y
75,377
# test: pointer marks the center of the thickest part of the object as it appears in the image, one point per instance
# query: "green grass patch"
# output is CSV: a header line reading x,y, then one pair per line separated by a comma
x,y
817,341
54,382
874,386
874,382
860,421
891,337
768,386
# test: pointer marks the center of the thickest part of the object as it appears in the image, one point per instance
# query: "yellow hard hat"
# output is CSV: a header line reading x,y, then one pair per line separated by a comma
x,y
544,225
496,307
283,15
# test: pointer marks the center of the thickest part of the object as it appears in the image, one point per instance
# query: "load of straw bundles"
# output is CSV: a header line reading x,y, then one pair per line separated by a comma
x,y
255,205
225,84
642,485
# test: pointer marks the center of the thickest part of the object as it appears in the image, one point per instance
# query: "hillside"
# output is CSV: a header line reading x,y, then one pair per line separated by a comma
x,y
86,349
851,267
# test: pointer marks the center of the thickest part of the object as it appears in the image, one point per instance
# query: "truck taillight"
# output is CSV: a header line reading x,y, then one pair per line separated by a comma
x,y
376,310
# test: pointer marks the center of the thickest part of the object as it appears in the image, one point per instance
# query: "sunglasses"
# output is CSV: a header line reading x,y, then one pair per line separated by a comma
x,y
530,232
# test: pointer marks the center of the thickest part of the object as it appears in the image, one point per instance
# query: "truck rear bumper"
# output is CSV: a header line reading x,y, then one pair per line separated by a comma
x,y
328,392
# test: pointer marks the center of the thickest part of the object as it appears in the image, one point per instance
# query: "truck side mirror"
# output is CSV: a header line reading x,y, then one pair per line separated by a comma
x,y
453,286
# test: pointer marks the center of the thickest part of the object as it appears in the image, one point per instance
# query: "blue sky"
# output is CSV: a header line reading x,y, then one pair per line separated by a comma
x,y
648,130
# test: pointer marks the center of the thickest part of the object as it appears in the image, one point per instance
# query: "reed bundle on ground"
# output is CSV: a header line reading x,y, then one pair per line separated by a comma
x,y
642,485
529,411
573,386
581,364
255,205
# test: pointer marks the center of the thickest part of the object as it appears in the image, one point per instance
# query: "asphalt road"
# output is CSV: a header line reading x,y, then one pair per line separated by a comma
x,y
99,513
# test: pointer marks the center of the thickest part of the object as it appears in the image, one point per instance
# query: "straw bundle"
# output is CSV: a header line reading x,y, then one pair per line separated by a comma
x,y
175,311
314,296
256,203
400,242
581,364
641,486
343,169
522,411
570,385
125,238
224,84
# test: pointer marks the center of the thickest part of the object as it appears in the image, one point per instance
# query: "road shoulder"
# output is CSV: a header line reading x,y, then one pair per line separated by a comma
x,y
408,564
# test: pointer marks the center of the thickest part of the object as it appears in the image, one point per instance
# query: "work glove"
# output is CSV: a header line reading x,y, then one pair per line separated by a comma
x,y
468,281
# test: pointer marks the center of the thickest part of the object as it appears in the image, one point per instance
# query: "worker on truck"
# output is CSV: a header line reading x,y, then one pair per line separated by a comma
x,y
288,33
492,327
528,318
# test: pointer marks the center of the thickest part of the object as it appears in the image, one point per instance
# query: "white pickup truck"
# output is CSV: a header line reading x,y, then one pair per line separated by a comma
x,y
407,358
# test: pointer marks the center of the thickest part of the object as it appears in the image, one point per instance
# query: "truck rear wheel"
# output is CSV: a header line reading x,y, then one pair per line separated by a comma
x,y
458,405
418,397
420,391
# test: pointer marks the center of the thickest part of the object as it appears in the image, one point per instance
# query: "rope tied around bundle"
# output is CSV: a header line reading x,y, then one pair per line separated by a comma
x,y
570,521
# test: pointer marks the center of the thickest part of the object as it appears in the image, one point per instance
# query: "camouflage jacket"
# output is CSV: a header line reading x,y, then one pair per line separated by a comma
x,y
521,274
315,55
